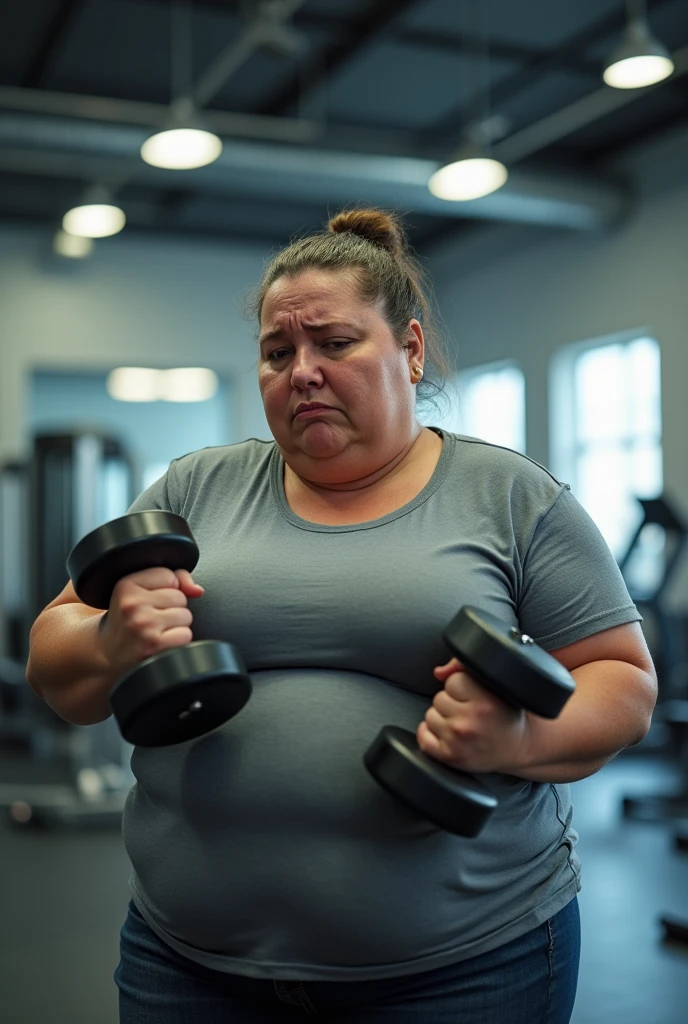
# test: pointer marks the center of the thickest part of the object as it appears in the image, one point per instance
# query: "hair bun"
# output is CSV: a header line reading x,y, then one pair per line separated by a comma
x,y
377,226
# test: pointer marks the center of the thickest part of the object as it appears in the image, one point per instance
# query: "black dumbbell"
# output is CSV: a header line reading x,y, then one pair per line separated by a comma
x,y
178,694
510,665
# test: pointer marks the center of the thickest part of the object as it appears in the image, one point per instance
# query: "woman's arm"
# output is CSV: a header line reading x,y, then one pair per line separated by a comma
x,y
67,664
77,653
611,708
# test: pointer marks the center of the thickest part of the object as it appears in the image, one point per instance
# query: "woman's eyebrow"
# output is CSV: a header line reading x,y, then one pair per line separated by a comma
x,y
313,325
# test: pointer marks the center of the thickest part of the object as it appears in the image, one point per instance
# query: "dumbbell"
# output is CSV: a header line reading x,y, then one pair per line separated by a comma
x,y
514,668
178,694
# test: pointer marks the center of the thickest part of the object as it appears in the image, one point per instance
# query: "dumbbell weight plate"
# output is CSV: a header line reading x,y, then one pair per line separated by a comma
x,y
452,800
129,544
509,663
180,694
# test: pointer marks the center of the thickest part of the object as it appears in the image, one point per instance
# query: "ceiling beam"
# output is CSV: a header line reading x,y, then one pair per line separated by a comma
x,y
355,36
538,136
660,125
534,69
339,24
228,62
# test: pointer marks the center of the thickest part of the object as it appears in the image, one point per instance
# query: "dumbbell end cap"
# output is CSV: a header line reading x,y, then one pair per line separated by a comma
x,y
451,799
181,694
137,541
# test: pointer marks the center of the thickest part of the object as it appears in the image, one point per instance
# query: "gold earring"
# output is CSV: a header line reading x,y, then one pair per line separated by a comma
x,y
418,372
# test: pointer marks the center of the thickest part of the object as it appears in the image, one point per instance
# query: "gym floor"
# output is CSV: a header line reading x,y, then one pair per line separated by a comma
x,y
64,896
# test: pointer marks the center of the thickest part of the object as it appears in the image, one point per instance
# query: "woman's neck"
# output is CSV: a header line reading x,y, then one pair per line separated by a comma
x,y
396,481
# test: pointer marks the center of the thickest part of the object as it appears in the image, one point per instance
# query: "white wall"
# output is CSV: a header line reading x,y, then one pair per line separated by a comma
x,y
137,301
523,293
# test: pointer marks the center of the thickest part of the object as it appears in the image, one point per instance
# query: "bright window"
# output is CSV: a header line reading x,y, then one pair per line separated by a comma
x,y
487,402
609,434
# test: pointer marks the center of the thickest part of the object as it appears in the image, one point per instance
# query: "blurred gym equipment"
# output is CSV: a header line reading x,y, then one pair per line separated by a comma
x,y
72,482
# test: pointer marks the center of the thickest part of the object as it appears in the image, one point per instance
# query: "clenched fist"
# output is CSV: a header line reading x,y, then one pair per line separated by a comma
x,y
148,613
467,727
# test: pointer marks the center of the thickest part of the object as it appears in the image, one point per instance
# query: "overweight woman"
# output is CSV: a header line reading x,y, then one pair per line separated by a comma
x,y
272,878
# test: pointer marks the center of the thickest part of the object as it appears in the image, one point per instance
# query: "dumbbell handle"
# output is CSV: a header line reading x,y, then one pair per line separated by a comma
x,y
509,663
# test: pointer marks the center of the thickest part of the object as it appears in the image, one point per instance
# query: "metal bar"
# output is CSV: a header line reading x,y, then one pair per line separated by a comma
x,y
231,59
357,36
576,116
510,86
136,112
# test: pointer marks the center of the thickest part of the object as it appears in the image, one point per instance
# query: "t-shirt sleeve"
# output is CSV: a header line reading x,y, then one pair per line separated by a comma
x,y
572,585
156,496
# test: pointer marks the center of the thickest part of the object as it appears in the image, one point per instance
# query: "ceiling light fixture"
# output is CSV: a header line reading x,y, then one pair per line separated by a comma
x,y
96,217
473,172
472,175
640,59
183,143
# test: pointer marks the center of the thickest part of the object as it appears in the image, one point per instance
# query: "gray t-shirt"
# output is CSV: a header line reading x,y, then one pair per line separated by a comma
x,y
265,848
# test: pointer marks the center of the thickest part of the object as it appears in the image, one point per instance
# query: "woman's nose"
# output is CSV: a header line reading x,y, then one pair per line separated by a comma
x,y
305,371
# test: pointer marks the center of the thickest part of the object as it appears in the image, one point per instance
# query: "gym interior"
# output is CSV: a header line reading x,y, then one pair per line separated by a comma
x,y
561,286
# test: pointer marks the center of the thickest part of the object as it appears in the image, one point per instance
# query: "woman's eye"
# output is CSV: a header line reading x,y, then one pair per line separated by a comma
x,y
337,344
277,354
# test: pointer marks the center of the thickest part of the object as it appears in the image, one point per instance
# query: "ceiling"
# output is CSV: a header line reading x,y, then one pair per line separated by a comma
x,y
322,103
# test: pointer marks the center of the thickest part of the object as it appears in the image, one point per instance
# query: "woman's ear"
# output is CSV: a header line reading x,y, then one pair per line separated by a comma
x,y
415,344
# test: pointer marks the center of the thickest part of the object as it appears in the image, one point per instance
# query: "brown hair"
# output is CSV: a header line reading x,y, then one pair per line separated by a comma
x,y
372,244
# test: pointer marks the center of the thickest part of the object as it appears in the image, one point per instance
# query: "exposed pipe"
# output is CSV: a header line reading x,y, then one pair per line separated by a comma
x,y
70,140
77,149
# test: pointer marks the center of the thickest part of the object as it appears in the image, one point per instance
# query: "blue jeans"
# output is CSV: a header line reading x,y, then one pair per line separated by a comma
x,y
531,980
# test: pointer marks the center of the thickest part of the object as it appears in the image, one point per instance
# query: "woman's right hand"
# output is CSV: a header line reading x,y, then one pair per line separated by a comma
x,y
148,614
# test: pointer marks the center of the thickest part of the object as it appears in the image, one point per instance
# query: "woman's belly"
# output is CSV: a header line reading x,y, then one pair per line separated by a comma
x,y
267,841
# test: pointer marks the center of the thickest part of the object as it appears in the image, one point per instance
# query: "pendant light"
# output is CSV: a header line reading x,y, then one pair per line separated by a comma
x,y
95,217
640,59
473,172
183,143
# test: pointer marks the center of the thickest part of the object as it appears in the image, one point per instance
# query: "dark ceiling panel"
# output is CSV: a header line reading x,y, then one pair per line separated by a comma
x,y
51,40
22,36
454,41
267,75
116,48
379,16
538,23
549,93
667,22
403,86
338,8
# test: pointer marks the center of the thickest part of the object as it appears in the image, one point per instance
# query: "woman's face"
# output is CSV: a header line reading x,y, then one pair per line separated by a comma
x,y
336,384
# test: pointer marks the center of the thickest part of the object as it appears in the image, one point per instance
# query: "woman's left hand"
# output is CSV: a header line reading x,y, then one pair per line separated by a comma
x,y
469,728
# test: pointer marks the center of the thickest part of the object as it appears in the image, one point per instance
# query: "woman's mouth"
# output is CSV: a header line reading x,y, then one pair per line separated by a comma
x,y
316,408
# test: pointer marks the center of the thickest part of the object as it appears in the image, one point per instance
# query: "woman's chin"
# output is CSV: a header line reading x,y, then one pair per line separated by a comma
x,y
320,441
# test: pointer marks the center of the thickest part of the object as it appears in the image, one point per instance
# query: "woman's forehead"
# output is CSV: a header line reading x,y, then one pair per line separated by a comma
x,y
320,292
